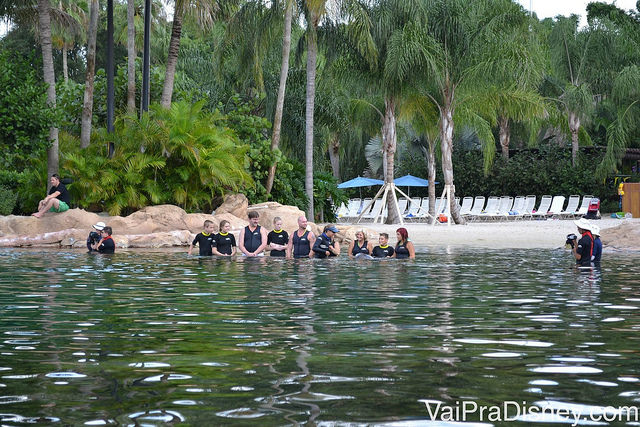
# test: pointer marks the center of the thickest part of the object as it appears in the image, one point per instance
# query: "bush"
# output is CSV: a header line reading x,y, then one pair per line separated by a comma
x,y
8,200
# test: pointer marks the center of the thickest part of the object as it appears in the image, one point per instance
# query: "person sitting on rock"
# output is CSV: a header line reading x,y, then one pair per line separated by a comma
x,y
106,245
57,200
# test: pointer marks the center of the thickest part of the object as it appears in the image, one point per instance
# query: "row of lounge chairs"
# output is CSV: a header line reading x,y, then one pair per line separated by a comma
x,y
474,209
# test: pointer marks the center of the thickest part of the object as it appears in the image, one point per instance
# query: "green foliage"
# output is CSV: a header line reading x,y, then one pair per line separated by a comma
x,y
24,115
8,191
326,194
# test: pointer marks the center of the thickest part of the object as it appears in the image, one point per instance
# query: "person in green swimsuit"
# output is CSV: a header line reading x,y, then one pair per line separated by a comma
x,y
57,200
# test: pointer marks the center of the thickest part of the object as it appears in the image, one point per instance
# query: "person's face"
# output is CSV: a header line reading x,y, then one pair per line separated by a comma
x,y
383,240
398,236
359,236
302,222
278,225
254,221
209,228
226,228
104,234
55,181
330,234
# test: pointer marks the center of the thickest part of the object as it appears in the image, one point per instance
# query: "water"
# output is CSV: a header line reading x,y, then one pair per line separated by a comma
x,y
144,338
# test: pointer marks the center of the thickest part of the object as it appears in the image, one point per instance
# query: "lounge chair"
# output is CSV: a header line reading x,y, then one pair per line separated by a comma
x,y
545,204
467,204
341,211
584,207
353,207
556,206
414,207
504,207
478,205
375,212
423,212
518,206
572,207
491,209
402,205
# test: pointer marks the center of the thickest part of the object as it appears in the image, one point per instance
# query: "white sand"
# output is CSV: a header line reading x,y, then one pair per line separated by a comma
x,y
547,234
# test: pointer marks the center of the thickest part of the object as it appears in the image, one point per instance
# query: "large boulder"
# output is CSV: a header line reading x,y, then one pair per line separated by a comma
x,y
234,204
624,236
289,214
13,225
152,219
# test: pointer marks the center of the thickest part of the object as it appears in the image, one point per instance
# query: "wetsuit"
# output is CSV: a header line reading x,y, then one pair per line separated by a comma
x,y
357,249
585,250
252,239
401,250
321,246
205,242
301,245
279,237
383,251
225,243
108,246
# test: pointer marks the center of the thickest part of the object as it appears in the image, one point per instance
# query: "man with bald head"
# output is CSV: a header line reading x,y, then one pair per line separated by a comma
x,y
301,241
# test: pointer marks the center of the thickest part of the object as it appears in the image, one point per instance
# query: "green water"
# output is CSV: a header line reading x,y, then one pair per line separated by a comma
x,y
143,338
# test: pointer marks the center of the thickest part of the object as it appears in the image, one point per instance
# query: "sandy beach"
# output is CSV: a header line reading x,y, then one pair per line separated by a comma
x,y
547,234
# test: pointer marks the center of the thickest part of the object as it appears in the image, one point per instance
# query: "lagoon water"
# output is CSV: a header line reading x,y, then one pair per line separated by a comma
x,y
151,338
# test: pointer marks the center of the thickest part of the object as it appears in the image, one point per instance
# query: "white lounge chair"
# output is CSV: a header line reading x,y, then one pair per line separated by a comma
x,y
375,212
518,206
478,206
467,204
584,207
491,209
414,207
423,212
341,211
505,205
545,204
529,206
353,207
402,205
556,206
572,207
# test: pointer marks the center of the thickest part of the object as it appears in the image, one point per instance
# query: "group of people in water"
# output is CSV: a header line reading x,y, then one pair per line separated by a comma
x,y
254,240
586,249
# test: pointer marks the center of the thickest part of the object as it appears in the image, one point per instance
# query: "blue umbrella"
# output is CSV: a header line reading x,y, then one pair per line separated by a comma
x,y
411,181
360,182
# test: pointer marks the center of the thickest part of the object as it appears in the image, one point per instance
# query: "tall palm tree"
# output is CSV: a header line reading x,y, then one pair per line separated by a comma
x,y
131,57
65,32
87,108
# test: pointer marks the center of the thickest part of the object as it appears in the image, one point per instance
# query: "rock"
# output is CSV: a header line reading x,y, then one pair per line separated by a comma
x,y
164,239
195,222
289,215
234,204
13,225
624,236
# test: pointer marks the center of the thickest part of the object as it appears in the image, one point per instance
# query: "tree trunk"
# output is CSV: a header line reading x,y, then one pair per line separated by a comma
x,y
334,155
505,135
431,175
44,27
284,72
574,127
65,66
172,57
87,108
389,142
131,57
446,142
312,53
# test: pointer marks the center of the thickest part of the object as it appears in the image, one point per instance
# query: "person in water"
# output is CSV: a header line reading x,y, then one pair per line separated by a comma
x,y
205,240
360,245
106,245
404,247
253,238
278,239
301,241
383,250
597,244
325,246
225,241
583,250
95,236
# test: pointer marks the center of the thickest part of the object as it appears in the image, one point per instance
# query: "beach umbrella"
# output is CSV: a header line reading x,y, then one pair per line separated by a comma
x,y
360,182
411,181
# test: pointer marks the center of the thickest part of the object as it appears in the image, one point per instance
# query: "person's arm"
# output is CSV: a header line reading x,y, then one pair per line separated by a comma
x,y
97,245
351,245
241,243
316,247
312,243
53,195
262,246
412,250
289,253
334,247
190,249
370,248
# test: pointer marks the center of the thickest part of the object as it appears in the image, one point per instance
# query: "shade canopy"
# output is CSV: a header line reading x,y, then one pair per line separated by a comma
x,y
411,181
360,182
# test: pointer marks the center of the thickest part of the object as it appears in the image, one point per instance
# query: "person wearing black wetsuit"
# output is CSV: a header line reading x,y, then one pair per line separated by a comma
x,y
383,250
325,246
225,241
360,245
253,238
278,239
583,250
205,240
301,241
404,247
106,245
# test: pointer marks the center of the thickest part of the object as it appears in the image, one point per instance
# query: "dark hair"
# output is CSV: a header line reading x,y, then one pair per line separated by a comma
x,y
253,214
56,176
385,235
403,233
107,230
223,223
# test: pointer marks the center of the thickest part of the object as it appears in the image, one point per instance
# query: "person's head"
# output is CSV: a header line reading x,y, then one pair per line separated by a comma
x,y
583,225
330,230
99,226
302,222
383,239
208,226
277,223
254,218
402,234
595,230
361,236
55,180
107,231
225,226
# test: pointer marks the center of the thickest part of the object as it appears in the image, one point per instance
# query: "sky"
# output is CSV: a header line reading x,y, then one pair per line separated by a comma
x,y
552,8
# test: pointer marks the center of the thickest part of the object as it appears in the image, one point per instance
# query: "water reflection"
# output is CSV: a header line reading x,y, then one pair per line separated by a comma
x,y
157,338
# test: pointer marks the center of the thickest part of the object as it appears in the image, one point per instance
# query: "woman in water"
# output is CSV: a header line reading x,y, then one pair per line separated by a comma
x,y
404,247
360,245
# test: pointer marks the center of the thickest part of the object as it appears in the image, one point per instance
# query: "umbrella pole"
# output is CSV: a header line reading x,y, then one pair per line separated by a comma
x,y
369,205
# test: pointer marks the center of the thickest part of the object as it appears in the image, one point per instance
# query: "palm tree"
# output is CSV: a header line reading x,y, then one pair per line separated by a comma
x,y
131,57
87,109
66,31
